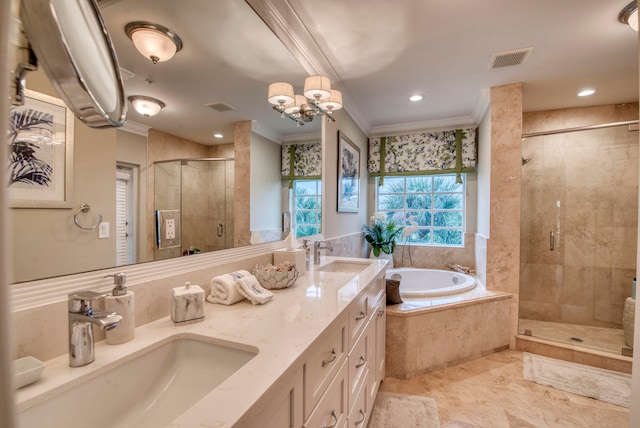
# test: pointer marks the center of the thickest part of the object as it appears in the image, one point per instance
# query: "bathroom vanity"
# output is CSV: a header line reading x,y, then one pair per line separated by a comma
x,y
312,357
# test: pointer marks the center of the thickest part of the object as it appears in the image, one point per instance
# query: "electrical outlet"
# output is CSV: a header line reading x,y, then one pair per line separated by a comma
x,y
170,228
103,230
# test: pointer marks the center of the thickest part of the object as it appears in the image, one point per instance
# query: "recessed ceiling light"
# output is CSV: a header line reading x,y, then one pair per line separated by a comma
x,y
218,135
415,98
586,92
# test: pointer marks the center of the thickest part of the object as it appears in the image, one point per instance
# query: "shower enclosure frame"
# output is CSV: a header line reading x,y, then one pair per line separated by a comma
x,y
554,242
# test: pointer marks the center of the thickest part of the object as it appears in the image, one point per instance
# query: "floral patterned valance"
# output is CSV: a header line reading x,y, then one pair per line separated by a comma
x,y
441,152
302,161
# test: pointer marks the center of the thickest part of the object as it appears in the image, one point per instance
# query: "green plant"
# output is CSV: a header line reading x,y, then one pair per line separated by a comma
x,y
381,234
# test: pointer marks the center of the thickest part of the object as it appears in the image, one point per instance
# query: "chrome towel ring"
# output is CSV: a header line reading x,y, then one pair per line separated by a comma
x,y
85,208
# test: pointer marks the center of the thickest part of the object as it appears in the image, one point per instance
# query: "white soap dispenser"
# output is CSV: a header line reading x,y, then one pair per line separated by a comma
x,y
121,301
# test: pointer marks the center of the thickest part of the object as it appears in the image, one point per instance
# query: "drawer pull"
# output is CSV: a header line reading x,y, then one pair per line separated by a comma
x,y
381,313
361,363
332,359
360,316
359,421
335,422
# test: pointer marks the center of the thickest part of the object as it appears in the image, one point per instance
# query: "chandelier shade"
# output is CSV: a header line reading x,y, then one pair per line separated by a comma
x,y
317,87
281,93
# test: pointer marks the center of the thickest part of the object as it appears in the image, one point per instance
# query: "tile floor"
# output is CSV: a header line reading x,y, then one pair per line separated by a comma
x,y
490,393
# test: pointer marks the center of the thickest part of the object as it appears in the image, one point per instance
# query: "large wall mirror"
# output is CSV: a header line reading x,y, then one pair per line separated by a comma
x,y
170,169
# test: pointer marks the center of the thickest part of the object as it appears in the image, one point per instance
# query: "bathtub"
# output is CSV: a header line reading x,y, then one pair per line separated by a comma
x,y
420,283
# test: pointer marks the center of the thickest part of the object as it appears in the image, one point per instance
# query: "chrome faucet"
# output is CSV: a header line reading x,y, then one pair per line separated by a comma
x,y
317,246
82,317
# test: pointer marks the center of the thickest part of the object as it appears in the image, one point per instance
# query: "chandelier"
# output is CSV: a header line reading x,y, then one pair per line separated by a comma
x,y
318,99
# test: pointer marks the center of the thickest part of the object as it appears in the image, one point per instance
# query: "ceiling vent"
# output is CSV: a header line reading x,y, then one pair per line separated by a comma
x,y
508,58
220,106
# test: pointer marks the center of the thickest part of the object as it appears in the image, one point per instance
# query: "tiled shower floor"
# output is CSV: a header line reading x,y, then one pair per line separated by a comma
x,y
599,338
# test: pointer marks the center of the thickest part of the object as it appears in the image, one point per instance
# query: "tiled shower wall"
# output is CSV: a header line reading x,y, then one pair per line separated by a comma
x,y
583,186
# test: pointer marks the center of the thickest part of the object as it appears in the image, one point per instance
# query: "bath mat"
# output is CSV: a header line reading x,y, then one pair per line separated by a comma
x,y
604,385
392,410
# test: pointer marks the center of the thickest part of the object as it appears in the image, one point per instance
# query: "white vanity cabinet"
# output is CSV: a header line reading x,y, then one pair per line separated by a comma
x,y
336,381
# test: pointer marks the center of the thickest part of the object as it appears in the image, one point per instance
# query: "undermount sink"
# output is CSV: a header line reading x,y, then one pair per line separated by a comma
x,y
348,266
150,390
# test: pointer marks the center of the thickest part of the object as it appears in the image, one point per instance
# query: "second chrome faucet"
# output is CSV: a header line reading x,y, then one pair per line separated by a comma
x,y
317,246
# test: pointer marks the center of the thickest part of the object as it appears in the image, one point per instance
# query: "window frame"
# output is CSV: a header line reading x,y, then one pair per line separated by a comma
x,y
432,210
317,209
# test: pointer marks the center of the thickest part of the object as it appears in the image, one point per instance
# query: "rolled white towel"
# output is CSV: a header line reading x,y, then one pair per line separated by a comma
x,y
223,288
250,288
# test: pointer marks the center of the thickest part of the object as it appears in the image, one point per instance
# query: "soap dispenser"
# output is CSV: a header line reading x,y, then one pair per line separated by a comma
x,y
121,302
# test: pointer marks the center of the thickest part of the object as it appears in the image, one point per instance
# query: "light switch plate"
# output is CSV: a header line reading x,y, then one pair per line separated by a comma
x,y
103,230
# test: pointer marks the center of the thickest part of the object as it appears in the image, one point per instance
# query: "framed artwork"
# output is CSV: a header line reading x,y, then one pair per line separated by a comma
x,y
348,175
40,164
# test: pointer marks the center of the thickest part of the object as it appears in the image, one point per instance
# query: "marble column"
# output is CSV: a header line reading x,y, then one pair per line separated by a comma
x,y
242,183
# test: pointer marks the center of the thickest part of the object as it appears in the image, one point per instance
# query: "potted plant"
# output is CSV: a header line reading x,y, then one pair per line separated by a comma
x,y
381,234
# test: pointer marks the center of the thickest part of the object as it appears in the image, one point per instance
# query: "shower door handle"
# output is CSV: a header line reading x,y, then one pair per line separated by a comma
x,y
220,229
552,241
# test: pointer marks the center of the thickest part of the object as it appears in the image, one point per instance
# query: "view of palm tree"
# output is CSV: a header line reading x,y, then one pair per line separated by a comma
x,y
307,207
436,202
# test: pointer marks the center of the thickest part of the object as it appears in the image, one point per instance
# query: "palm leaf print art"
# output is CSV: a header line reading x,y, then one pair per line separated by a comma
x,y
24,164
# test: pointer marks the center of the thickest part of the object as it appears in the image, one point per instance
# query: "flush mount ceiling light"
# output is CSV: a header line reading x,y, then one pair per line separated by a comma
x,y
318,99
146,106
586,92
153,41
415,98
218,135
629,15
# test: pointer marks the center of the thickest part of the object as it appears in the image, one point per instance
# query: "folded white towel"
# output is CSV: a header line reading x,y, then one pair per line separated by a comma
x,y
250,288
223,288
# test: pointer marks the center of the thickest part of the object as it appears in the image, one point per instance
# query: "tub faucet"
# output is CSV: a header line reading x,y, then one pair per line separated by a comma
x,y
82,317
317,246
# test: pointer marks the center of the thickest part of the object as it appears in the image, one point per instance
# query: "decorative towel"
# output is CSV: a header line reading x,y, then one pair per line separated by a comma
x,y
223,288
250,288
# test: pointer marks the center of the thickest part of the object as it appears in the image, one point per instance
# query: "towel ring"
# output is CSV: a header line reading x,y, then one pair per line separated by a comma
x,y
85,208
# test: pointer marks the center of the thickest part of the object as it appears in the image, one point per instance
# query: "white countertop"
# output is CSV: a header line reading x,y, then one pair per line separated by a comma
x,y
281,330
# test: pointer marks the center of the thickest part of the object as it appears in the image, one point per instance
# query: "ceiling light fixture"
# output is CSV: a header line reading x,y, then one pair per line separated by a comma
x,y
586,92
318,99
218,135
629,15
146,106
415,98
153,41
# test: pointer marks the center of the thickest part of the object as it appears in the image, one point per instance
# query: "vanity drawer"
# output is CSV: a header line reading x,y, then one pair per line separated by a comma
x,y
359,364
332,408
322,365
358,411
358,317
376,291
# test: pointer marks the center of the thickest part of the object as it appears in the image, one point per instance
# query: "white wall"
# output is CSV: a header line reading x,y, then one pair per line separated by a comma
x,y
266,197
336,224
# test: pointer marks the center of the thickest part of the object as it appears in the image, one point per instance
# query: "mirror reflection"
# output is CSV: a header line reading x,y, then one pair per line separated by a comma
x,y
241,197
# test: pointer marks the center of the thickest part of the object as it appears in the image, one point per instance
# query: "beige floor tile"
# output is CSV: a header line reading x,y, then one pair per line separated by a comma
x,y
490,393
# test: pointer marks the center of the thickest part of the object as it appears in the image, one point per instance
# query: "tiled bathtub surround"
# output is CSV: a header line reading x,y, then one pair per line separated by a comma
x,y
426,257
426,335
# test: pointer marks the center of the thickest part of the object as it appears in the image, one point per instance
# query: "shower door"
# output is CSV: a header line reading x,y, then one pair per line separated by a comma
x,y
578,235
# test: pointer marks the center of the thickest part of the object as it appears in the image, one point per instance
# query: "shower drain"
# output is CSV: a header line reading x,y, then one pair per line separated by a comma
x,y
577,339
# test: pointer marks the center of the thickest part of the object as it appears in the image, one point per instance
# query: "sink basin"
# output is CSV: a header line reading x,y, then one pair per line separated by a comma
x,y
348,266
147,391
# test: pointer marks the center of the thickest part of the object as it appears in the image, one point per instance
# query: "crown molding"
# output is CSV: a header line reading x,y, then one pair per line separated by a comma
x,y
135,128
429,125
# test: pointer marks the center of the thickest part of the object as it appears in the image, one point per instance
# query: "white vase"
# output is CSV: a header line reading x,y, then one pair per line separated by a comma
x,y
383,256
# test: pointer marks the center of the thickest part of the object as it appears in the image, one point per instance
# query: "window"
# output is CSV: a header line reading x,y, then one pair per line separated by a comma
x,y
436,203
307,210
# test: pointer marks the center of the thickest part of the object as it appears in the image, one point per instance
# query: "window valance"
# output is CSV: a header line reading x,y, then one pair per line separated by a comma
x,y
302,161
441,152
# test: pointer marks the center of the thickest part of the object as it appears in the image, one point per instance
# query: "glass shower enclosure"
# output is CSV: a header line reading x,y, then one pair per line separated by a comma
x,y
579,214
193,206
